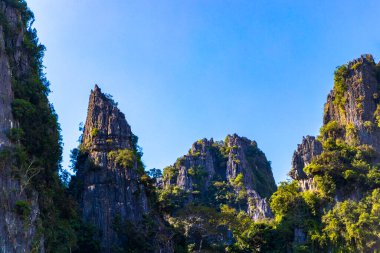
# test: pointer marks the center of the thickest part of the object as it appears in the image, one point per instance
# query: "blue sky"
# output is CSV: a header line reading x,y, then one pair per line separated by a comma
x,y
184,70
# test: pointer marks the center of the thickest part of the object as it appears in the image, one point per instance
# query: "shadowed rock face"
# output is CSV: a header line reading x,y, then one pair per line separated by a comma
x,y
6,94
109,182
106,127
109,190
17,232
209,161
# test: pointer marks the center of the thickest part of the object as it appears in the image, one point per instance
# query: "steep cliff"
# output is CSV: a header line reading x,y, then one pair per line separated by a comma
x,y
354,102
336,175
236,163
352,108
309,148
29,140
19,203
303,156
111,182
18,225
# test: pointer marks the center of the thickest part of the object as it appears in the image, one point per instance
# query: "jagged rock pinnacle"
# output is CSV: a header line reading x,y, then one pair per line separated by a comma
x,y
109,189
106,127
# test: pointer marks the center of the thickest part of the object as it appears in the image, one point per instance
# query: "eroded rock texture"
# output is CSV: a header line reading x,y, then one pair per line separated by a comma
x,y
109,173
237,162
309,148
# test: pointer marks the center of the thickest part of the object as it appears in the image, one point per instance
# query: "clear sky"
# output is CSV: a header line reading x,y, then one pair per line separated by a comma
x,y
184,70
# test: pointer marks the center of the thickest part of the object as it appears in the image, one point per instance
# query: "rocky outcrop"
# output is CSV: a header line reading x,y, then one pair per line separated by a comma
x,y
237,162
245,159
201,164
355,104
351,115
309,148
19,209
110,173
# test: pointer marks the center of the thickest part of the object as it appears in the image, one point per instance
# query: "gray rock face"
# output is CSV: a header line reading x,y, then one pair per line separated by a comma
x,y
299,236
309,148
109,190
110,176
361,99
200,156
246,159
106,127
18,232
236,159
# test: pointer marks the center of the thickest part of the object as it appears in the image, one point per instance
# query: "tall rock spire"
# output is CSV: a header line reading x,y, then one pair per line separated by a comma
x,y
110,176
112,195
106,127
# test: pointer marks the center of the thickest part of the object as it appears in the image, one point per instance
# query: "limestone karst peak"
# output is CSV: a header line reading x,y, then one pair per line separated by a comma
x,y
352,111
237,159
354,101
106,126
109,178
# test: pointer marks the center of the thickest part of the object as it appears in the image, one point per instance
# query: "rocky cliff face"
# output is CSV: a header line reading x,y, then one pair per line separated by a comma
x,y
236,163
245,159
353,102
309,148
350,133
201,157
353,105
18,227
110,172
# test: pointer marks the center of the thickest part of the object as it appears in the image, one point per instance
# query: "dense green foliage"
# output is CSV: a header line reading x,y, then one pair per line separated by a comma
x,y
354,226
313,220
340,85
132,238
122,157
23,208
